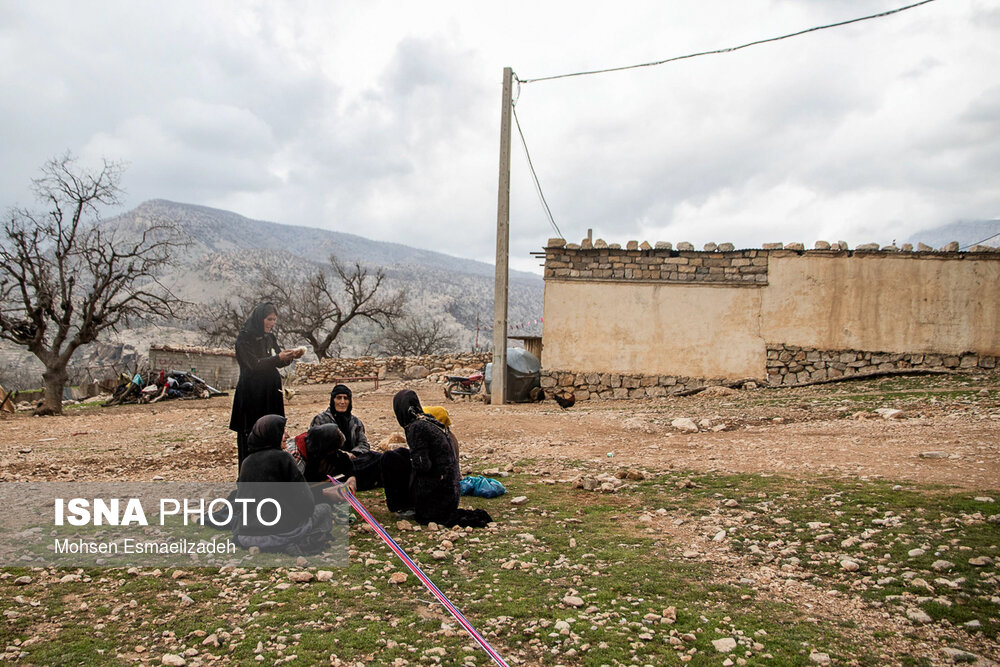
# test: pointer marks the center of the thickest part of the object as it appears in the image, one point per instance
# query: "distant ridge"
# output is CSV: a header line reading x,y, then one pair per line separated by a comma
x,y
967,233
218,230
226,252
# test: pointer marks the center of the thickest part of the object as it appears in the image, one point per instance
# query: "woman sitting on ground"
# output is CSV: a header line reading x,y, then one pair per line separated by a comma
x,y
434,482
367,464
318,454
303,526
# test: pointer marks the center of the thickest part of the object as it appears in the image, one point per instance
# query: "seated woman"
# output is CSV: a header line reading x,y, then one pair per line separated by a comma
x,y
441,414
367,464
318,453
303,526
434,480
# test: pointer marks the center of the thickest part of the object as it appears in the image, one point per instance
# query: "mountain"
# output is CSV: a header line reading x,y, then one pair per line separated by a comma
x,y
226,251
967,233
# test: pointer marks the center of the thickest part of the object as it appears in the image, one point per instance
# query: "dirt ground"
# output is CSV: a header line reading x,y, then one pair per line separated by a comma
x,y
948,432
937,430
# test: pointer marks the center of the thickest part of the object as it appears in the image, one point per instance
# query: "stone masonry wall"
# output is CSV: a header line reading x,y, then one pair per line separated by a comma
x,y
746,267
787,364
328,369
614,386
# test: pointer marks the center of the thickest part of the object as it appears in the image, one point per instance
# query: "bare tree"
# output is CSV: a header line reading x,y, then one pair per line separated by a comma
x,y
318,307
64,280
315,308
414,336
219,321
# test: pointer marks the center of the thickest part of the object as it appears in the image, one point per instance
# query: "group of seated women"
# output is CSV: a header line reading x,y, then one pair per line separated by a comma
x,y
421,479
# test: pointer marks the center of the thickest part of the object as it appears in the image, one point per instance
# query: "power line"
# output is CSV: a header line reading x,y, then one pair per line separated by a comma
x,y
534,176
731,48
988,238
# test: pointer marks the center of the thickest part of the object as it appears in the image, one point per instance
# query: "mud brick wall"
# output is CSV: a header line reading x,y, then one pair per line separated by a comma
x,y
647,320
787,364
216,367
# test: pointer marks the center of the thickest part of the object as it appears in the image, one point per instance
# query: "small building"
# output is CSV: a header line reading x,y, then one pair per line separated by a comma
x,y
217,367
647,321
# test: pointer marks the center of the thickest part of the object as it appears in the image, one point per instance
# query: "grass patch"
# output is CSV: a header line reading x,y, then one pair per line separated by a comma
x,y
516,582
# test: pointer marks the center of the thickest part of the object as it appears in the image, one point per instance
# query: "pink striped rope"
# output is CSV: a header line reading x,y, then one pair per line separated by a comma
x,y
424,579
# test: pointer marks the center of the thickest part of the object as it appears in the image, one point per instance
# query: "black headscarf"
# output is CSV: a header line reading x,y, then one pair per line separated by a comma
x,y
254,326
266,433
321,441
343,419
406,406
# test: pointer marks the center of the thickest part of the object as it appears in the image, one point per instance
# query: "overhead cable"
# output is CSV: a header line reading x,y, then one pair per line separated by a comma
x,y
988,238
534,176
731,48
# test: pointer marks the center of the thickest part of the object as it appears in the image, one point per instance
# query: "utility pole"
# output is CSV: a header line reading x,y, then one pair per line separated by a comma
x,y
498,386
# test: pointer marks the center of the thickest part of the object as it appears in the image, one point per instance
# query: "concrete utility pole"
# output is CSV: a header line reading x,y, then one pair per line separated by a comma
x,y
498,384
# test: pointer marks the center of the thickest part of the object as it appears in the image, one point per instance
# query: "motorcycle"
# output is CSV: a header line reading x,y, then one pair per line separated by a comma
x,y
463,386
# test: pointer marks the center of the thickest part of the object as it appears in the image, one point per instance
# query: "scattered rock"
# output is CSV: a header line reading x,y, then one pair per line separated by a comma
x,y
981,561
958,655
849,565
819,658
934,455
918,616
397,578
942,565
172,659
724,645
324,575
669,615
684,424
301,576
519,500
572,601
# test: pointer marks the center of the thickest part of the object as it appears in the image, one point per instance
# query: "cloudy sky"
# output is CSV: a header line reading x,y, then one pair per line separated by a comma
x,y
382,118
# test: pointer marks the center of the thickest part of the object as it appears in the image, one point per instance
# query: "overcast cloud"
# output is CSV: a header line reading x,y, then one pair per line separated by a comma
x,y
382,118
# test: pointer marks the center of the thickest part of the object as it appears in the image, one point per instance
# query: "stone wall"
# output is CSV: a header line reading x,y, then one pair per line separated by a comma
x,y
661,264
216,367
327,370
615,386
789,364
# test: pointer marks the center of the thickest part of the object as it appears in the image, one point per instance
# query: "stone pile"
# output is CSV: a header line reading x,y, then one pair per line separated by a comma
x,y
418,367
787,364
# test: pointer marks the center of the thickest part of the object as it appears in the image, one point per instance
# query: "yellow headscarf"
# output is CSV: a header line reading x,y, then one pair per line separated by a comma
x,y
439,413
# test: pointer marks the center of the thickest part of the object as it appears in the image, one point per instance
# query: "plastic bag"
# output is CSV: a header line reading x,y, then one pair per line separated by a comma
x,y
483,487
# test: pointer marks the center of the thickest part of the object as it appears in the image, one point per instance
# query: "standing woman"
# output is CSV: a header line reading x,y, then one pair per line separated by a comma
x,y
258,391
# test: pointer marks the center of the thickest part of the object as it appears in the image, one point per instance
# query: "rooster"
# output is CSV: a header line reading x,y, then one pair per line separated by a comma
x,y
565,399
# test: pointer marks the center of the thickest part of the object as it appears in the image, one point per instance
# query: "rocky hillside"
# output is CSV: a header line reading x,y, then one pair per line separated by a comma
x,y
226,252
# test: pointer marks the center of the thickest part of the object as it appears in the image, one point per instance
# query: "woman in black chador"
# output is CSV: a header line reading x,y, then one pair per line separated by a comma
x,y
302,526
366,463
258,391
434,476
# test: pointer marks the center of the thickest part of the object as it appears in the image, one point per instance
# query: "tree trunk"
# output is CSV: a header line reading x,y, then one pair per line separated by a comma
x,y
55,381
